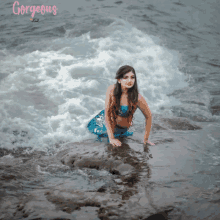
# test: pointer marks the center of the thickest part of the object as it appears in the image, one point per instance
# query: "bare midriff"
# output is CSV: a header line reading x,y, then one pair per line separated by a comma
x,y
122,122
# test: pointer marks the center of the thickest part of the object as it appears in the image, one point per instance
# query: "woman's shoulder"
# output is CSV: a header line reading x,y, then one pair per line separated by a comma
x,y
110,89
139,95
141,98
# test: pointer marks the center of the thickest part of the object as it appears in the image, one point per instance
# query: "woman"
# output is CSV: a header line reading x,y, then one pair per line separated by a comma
x,y
122,100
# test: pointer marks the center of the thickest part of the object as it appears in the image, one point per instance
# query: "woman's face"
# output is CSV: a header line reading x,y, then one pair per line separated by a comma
x,y
127,81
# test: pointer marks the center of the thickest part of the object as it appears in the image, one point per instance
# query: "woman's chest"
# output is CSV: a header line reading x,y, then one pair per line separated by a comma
x,y
124,100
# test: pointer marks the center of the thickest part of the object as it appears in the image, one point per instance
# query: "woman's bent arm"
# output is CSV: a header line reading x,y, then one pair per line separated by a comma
x,y
142,104
110,129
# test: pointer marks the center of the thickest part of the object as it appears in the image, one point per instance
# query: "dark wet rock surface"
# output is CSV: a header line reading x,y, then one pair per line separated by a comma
x,y
215,110
93,180
180,124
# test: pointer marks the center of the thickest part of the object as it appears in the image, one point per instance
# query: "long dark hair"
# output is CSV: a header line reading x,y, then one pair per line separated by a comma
x,y
132,92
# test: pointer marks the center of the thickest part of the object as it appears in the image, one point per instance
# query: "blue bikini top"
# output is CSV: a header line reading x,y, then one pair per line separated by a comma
x,y
123,111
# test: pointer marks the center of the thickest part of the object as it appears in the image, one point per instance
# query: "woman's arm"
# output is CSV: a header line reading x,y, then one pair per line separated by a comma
x,y
143,106
109,126
107,112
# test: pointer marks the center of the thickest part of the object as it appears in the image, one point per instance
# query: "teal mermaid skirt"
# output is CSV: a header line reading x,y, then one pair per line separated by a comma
x,y
97,126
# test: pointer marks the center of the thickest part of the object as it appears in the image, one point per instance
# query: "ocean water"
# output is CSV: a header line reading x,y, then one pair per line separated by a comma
x,y
55,72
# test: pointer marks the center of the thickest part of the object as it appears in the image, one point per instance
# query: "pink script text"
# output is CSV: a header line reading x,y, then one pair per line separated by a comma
x,y
24,9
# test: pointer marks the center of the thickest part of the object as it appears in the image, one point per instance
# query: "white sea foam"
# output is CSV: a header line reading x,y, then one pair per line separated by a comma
x,y
49,96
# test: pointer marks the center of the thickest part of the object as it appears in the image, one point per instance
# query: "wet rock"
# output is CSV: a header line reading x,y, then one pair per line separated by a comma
x,y
215,110
93,163
21,152
36,206
7,177
215,201
20,207
69,159
143,201
98,163
87,212
196,95
130,180
102,189
9,160
4,152
206,211
130,196
113,166
8,207
75,200
180,124
127,194
118,180
166,140
157,127
159,216
110,206
123,169
193,112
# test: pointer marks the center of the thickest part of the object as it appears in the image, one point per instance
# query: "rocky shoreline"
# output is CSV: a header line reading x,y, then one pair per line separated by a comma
x,y
133,187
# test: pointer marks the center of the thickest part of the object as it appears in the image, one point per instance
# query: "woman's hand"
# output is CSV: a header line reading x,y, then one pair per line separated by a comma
x,y
115,142
148,142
